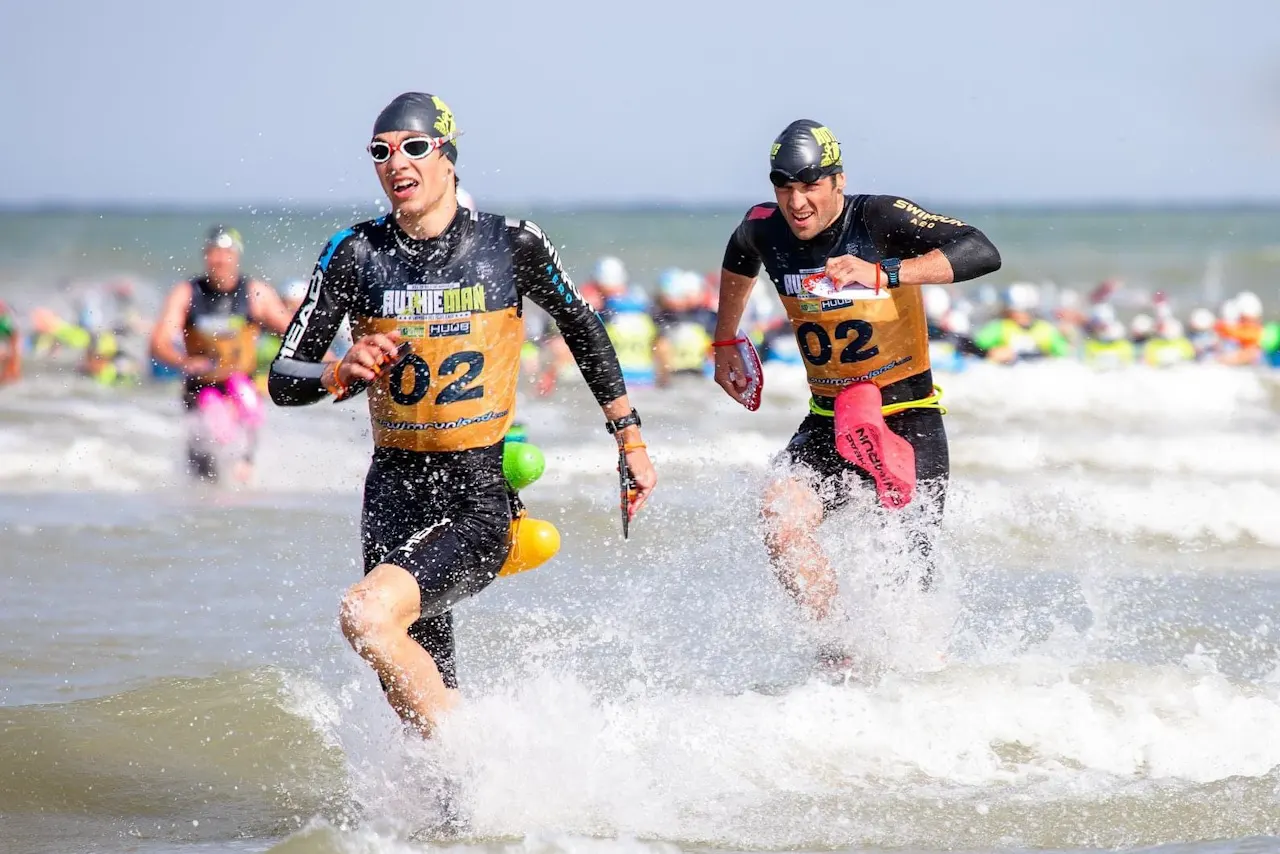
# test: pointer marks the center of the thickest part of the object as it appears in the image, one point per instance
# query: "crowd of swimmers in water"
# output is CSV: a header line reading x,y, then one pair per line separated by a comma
x,y
664,332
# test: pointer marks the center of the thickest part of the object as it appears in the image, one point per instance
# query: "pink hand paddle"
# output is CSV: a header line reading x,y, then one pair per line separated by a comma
x,y
752,368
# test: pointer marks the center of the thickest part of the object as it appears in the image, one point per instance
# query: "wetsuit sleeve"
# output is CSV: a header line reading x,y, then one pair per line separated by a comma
x,y
740,255
967,347
902,229
541,278
294,379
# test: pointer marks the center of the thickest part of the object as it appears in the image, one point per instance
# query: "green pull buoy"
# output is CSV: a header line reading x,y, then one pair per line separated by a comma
x,y
1271,338
522,464
517,433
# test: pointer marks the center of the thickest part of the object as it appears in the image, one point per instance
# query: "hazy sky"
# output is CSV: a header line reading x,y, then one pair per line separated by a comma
x,y
272,101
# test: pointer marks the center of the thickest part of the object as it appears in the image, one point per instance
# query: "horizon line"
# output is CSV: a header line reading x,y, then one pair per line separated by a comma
x,y
142,207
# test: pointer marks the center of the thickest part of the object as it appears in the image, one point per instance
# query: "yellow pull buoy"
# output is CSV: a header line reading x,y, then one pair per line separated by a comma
x,y
533,543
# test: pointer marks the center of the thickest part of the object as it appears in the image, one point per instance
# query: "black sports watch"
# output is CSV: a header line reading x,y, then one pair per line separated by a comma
x,y
632,419
891,266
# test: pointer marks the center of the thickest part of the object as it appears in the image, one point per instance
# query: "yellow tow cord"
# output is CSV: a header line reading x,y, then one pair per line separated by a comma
x,y
933,401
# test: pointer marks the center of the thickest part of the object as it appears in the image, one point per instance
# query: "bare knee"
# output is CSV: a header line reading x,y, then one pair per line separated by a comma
x,y
385,601
780,536
790,513
368,612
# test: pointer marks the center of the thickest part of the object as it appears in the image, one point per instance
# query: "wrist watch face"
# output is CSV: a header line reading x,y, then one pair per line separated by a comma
x,y
631,419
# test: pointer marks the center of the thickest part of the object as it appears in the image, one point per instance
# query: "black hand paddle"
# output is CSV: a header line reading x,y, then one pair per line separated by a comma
x,y
627,490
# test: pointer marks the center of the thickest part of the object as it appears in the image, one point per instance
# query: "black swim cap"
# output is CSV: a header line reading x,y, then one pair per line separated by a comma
x,y
421,113
805,151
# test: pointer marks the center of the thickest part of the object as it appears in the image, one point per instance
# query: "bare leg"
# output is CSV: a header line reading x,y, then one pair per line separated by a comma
x,y
792,513
375,616
662,362
243,470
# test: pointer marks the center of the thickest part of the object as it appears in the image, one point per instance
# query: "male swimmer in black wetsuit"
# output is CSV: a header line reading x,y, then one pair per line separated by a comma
x,y
450,282
814,228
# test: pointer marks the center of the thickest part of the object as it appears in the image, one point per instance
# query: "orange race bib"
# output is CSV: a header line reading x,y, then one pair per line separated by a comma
x,y
859,336
230,342
457,389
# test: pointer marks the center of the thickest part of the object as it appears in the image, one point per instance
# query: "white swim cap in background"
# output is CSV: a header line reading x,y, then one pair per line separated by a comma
x,y
1248,305
937,301
611,272
1021,296
1142,324
1201,320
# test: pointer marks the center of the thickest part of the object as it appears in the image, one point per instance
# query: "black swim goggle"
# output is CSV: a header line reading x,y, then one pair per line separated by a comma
x,y
808,175
414,148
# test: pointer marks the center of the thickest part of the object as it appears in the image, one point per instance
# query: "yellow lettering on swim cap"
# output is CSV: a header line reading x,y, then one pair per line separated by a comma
x,y
830,146
444,122
773,151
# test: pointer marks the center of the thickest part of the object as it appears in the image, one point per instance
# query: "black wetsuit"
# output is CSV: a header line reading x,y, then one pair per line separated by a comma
x,y
213,311
963,343
210,305
441,515
872,228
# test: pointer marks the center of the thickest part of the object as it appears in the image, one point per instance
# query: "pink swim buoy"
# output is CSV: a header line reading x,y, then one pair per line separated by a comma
x,y
218,414
865,440
248,402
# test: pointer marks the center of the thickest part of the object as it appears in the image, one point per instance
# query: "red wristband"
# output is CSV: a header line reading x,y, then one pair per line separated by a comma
x,y
728,342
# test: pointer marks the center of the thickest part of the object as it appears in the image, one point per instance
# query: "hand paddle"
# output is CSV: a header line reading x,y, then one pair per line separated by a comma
x,y
754,372
626,489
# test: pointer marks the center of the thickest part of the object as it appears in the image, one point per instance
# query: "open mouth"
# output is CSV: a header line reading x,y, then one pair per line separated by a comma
x,y
403,188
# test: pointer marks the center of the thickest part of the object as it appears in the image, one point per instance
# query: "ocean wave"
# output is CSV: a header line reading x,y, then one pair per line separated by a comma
x,y
1052,510
221,752
1030,754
